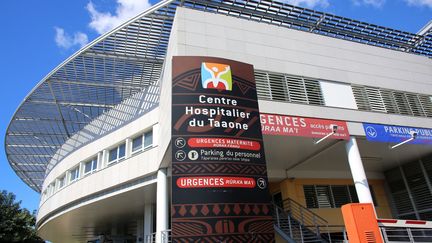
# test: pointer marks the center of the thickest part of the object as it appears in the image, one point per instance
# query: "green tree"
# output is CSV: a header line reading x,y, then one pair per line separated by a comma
x,y
16,224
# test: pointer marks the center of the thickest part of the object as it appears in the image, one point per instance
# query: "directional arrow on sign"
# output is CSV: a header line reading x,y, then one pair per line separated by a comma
x,y
180,142
261,183
180,155
371,132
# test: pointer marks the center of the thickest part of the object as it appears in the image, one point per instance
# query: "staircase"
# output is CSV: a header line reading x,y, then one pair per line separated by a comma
x,y
295,223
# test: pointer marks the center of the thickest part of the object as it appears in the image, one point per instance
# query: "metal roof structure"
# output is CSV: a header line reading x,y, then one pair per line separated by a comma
x,y
122,62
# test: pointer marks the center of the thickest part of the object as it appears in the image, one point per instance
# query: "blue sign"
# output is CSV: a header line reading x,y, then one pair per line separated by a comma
x,y
396,134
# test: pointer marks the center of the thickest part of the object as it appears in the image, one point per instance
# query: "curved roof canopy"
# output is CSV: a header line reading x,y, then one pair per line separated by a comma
x,y
129,58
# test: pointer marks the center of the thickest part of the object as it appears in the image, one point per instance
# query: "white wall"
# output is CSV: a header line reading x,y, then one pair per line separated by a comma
x,y
279,49
283,50
269,48
140,165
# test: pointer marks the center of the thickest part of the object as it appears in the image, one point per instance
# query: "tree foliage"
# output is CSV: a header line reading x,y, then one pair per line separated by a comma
x,y
16,224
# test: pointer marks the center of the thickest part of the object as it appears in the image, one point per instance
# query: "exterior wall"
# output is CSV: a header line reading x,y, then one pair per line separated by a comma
x,y
300,53
293,189
140,165
284,51
166,89
280,49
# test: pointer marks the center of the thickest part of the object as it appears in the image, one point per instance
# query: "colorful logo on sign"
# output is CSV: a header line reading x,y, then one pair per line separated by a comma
x,y
216,76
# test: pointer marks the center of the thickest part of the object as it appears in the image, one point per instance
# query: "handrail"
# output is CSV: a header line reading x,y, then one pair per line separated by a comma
x,y
165,237
306,217
294,224
303,225
408,234
290,201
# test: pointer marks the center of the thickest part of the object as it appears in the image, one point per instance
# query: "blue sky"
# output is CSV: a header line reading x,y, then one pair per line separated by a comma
x,y
37,36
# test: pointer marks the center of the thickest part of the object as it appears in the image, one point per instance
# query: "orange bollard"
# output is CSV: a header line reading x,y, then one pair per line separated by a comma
x,y
361,223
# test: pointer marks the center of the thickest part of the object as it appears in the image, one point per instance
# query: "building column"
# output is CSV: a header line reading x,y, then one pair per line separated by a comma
x,y
140,231
148,219
128,147
104,158
358,172
161,203
99,160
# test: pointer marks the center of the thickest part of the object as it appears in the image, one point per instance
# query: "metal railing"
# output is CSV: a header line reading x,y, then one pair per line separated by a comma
x,y
337,234
306,218
150,238
300,224
406,234
165,237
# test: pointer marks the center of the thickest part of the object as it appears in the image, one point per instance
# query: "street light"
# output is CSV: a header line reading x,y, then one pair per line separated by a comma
x,y
413,136
334,130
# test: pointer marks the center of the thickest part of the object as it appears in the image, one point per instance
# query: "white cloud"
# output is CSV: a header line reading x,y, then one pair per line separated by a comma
x,y
308,3
374,3
421,3
125,9
66,41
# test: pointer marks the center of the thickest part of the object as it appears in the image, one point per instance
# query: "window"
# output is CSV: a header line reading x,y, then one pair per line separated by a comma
x,y
148,139
45,194
331,196
51,189
277,199
116,154
74,174
137,144
61,181
142,142
90,166
324,198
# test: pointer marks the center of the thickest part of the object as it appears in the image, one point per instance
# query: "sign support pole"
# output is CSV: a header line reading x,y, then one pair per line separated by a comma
x,y
161,203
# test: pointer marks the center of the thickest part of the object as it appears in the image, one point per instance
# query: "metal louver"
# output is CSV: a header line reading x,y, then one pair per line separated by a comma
x,y
324,196
368,98
411,190
418,186
392,101
415,104
427,164
332,196
401,103
389,101
426,102
288,88
310,197
340,195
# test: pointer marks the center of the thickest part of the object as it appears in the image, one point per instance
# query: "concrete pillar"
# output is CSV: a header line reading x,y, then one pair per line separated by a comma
x,y
156,130
358,172
128,147
104,158
161,203
99,161
148,219
140,231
